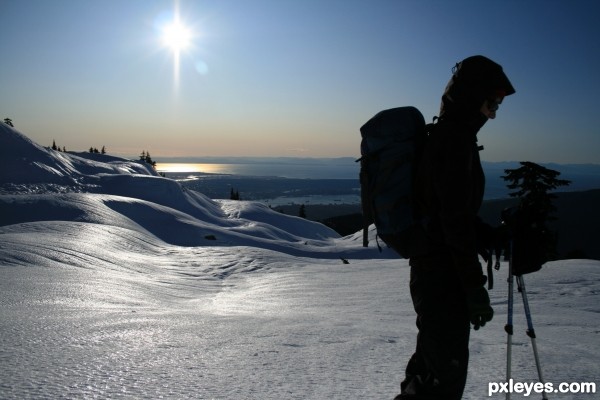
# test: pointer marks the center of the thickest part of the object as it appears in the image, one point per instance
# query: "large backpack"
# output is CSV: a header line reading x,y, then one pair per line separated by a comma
x,y
391,144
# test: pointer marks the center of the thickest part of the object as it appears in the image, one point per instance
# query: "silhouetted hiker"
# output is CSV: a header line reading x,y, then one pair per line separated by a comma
x,y
446,280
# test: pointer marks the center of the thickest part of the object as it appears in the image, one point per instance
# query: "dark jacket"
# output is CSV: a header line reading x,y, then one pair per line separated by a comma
x,y
449,191
449,182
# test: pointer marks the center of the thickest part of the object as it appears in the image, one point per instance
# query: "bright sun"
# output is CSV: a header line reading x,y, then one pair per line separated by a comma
x,y
176,36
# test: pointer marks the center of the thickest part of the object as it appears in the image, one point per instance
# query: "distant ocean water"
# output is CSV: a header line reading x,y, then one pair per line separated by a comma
x,y
321,180
274,181
338,168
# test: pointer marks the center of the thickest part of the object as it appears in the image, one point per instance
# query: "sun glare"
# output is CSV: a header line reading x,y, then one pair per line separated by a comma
x,y
176,36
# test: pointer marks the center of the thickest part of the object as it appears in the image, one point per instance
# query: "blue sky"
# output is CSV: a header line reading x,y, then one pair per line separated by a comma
x,y
292,78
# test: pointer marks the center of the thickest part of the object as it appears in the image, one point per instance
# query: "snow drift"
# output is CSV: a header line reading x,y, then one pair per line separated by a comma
x,y
118,283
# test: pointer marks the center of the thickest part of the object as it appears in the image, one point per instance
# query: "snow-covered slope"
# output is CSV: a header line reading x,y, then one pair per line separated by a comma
x,y
130,195
117,283
25,162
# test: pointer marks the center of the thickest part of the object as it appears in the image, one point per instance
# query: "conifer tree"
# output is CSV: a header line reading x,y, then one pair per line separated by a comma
x,y
532,184
54,147
234,194
146,157
302,211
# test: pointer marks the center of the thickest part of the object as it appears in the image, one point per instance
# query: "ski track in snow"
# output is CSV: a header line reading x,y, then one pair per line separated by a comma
x,y
116,283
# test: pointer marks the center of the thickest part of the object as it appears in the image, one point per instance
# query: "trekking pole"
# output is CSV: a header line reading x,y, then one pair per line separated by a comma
x,y
531,331
509,323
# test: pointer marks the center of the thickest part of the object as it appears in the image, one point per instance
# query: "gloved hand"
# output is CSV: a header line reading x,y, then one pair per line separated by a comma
x,y
480,310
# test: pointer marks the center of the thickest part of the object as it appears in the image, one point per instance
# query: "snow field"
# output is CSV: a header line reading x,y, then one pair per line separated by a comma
x,y
117,283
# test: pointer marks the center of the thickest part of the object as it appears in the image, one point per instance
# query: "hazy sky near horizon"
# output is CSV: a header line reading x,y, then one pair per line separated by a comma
x,y
292,78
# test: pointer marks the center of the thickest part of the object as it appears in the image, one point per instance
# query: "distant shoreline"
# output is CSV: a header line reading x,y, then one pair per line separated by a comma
x,y
252,175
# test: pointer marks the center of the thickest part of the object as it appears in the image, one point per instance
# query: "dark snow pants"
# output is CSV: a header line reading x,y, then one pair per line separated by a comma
x,y
438,368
